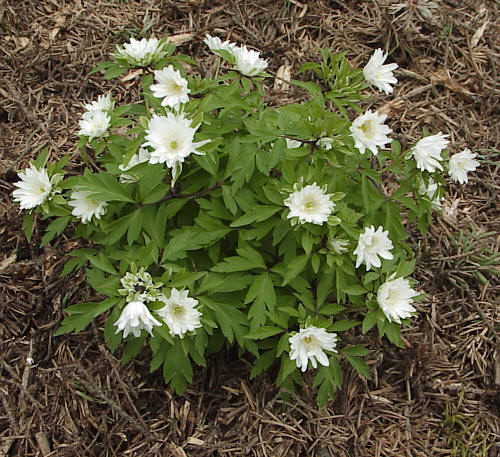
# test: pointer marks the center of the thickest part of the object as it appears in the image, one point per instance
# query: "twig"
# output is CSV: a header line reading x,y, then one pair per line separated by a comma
x,y
96,390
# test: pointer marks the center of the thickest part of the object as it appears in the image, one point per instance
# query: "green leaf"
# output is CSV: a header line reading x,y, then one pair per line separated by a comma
x,y
294,268
357,351
369,321
132,348
28,226
263,363
252,254
135,226
283,344
105,187
156,194
343,325
355,290
229,202
307,242
82,314
258,214
116,229
330,309
102,262
264,332
286,369
262,287
191,239
235,263
371,197
111,336
324,287
359,365
56,227
310,86
177,369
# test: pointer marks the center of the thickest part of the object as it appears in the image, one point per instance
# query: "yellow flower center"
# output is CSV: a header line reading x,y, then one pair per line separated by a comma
x,y
308,339
178,310
367,128
174,145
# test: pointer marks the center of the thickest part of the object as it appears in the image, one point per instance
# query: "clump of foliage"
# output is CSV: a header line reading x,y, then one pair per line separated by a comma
x,y
217,220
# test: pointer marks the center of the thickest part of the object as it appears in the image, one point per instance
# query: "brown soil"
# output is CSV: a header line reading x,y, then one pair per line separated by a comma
x,y
79,400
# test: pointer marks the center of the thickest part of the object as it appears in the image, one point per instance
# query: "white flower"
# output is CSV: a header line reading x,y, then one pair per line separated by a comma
x,y
292,144
215,44
309,344
179,312
141,53
369,132
135,317
103,103
395,297
33,189
171,137
85,207
371,245
325,143
460,164
338,245
427,151
172,87
248,61
94,124
142,156
310,204
431,192
378,74
139,286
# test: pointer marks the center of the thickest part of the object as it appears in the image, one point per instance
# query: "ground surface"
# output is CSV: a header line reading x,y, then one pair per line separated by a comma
x,y
78,400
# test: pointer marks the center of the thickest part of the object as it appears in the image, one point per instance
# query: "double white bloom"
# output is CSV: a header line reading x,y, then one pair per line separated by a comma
x,y
180,313
171,138
215,44
431,192
325,143
338,245
139,286
460,164
395,297
171,86
310,204
378,74
246,61
372,245
85,207
135,317
33,189
309,344
96,120
427,152
141,53
369,132
103,103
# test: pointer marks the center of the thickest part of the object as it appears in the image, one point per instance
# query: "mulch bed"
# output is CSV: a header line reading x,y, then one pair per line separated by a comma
x,y
439,393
